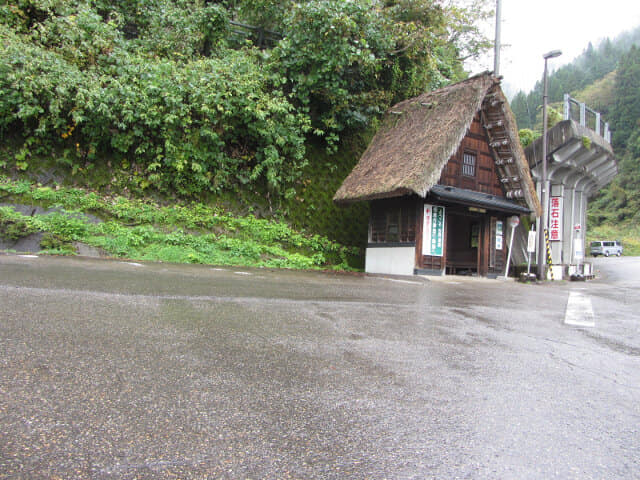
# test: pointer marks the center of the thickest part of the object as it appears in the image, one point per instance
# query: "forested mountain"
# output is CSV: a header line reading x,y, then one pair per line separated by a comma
x,y
620,202
607,78
591,67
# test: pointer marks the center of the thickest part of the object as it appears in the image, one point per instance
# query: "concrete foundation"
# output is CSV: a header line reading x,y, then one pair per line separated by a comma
x,y
390,260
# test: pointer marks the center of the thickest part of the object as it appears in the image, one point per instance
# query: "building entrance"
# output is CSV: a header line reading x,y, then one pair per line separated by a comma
x,y
464,242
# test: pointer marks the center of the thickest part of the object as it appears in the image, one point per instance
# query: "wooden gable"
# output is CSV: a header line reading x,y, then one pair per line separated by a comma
x,y
485,177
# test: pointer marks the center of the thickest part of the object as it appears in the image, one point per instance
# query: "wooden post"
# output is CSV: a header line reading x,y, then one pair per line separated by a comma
x,y
484,246
419,227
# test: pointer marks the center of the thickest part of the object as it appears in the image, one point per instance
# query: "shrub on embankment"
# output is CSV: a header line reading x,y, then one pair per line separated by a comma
x,y
167,99
143,230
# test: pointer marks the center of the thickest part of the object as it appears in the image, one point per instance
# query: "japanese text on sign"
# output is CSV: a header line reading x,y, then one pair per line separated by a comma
x,y
433,230
499,237
555,219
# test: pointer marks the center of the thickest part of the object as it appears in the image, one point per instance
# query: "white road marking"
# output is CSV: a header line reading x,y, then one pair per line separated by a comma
x,y
28,256
410,282
579,311
133,264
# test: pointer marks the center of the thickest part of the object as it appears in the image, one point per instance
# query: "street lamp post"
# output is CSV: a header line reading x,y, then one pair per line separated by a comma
x,y
544,197
496,55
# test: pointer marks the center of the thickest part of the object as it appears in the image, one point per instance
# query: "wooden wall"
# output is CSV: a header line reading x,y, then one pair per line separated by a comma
x,y
486,178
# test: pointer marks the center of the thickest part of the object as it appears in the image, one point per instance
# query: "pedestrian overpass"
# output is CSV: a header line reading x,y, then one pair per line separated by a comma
x,y
580,161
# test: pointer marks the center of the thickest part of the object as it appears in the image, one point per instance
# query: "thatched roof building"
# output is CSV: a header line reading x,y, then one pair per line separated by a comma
x,y
418,137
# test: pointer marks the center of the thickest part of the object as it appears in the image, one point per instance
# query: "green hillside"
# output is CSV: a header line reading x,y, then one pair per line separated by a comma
x,y
591,68
618,206
68,219
258,107
607,79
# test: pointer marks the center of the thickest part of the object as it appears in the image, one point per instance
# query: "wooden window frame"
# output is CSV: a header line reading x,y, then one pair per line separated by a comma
x,y
469,169
393,224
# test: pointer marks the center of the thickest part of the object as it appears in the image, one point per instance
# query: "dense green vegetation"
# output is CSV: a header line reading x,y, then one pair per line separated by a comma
x,y
607,78
143,230
262,106
618,206
165,89
588,69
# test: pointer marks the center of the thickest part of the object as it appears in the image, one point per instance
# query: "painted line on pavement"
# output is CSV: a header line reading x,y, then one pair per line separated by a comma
x,y
408,282
579,311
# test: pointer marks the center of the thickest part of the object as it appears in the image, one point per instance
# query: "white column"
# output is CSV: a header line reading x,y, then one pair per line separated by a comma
x,y
569,212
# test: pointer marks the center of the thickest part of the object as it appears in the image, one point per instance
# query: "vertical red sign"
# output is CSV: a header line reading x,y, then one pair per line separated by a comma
x,y
555,219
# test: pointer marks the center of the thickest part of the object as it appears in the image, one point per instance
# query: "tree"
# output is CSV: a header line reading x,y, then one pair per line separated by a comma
x,y
162,89
626,114
594,64
346,62
525,116
620,201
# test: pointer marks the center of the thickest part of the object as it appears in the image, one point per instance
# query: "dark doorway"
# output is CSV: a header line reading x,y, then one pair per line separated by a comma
x,y
464,239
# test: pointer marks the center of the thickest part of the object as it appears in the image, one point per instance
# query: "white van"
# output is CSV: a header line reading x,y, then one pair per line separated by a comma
x,y
606,248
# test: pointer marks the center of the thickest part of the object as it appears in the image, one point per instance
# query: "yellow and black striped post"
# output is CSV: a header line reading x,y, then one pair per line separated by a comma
x,y
548,245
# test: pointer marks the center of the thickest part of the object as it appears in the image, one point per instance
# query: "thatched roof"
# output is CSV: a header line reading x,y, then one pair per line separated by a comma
x,y
418,137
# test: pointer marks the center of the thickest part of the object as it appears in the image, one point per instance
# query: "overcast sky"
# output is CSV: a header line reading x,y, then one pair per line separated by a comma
x,y
530,29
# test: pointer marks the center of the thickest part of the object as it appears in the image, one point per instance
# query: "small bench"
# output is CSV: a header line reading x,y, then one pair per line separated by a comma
x,y
461,268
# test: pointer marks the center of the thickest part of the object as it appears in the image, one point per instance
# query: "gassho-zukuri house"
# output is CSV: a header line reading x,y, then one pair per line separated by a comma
x,y
443,175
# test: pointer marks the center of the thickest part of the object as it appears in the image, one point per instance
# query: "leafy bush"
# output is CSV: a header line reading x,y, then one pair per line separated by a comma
x,y
55,244
182,233
527,136
152,87
14,226
207,124
345,62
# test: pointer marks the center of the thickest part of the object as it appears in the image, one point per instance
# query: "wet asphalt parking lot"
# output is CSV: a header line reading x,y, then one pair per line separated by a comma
x,y
116,370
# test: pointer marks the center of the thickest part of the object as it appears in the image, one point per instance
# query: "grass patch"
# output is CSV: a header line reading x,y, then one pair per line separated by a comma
x,y
14,226
628,234
181,233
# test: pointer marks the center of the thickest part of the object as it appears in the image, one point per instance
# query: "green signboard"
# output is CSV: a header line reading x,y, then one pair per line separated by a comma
x,y
433,231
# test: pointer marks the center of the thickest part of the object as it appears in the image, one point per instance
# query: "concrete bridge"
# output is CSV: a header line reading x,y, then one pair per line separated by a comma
x,y
580,162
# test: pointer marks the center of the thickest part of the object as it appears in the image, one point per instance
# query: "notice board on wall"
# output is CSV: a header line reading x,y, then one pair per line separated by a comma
x,y
433,231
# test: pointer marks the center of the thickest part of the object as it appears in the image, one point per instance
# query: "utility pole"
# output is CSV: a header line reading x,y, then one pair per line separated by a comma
x,y
544,195
496,55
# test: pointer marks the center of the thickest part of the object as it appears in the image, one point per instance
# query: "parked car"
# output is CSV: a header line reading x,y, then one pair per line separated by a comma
x,y
606,248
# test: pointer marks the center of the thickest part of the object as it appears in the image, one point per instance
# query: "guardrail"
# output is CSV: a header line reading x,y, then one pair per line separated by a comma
x,y
579,112
262,37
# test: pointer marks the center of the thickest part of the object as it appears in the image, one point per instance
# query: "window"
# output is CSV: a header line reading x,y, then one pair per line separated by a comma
x,y
469,164
393,223
475,235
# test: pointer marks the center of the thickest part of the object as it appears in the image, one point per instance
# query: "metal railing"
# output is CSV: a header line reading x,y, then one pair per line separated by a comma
x,y
579,112
261,37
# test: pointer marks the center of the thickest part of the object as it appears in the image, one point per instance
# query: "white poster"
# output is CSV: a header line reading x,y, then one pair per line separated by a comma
x,y
433,231
531,241
499,233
